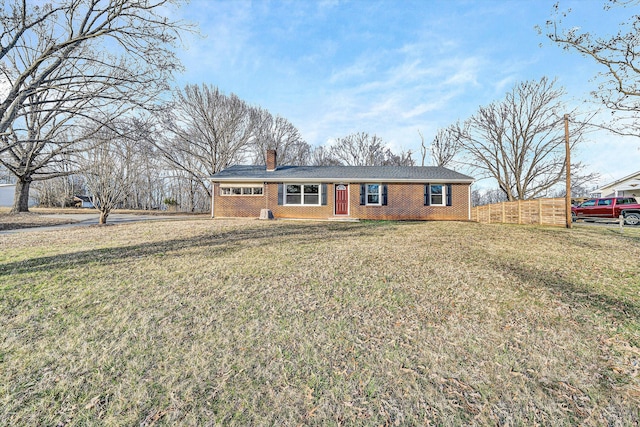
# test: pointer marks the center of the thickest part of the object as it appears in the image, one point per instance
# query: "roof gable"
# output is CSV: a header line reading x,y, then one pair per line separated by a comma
x,y
633,177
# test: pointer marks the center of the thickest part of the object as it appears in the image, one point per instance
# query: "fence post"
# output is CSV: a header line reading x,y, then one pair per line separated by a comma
x,y
503,218
519,212
540,211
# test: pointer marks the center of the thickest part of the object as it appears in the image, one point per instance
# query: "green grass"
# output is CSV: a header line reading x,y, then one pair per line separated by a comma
x,y
209,322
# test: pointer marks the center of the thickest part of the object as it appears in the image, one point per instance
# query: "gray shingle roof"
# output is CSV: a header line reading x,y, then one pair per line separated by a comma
x,y
248,173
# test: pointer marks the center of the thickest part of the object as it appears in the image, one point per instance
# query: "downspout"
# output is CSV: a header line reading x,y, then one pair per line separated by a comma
x,y
266,195
469,203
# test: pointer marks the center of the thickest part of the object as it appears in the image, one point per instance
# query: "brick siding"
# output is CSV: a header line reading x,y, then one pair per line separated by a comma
x,y
404,201
236,205
321,212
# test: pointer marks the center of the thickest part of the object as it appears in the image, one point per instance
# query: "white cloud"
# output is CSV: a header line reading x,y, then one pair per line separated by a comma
x,y
357,70
465,72
424,108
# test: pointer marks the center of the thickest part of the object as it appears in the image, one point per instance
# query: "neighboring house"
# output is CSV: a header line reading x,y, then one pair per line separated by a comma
x,y
341,192
629,186
83,202
7,194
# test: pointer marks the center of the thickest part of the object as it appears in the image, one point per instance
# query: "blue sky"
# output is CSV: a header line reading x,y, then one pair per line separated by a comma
x,y
392,67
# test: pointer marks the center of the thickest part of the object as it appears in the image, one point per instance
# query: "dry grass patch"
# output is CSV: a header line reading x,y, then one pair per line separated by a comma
x,y
260,323
28,220
37,217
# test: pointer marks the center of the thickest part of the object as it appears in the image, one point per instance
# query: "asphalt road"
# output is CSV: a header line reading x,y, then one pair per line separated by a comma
x,y
601,223
86,219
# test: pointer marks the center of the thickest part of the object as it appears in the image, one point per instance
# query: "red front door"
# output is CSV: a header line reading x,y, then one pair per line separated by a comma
x,y
342,200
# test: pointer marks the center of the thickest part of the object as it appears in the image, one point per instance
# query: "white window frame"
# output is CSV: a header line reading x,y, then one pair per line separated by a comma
x,y
302,194
367,193
443,194
241,190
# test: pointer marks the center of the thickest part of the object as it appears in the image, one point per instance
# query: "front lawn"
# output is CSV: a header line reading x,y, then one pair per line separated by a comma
x,y
209,322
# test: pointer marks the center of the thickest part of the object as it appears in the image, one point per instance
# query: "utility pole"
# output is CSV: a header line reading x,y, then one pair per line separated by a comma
x,y
568,168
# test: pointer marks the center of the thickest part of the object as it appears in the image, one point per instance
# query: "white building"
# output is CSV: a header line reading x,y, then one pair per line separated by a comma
x,y
6,194
623,187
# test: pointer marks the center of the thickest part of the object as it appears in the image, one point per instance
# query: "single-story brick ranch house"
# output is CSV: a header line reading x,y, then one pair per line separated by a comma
x,y
341,192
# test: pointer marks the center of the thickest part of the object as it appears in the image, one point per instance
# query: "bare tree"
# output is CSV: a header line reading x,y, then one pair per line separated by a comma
x,y
131,38
206,131
359,149
185,185
423,149
277,133
60,190
582,182
519,141
182,192
135,137
445,146
362,149
402,159
107,168
41,137
619,55
147,186
76,59
321,156
481,197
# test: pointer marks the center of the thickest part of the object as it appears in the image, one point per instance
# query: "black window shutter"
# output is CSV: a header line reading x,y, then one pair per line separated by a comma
x,y
384,195
363,194
427,194
280,194
448,194
323,195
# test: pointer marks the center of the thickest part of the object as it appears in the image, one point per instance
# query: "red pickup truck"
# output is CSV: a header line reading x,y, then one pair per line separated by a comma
x,y
609,207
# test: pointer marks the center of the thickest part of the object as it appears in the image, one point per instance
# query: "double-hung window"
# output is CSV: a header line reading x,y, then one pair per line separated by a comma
x,y
373,194
302,194
437,195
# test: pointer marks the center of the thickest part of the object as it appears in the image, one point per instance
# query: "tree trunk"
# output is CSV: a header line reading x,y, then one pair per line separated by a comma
x,y
21,195
103,216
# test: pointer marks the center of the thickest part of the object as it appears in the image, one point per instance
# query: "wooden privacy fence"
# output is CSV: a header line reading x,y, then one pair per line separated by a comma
x,y
538,211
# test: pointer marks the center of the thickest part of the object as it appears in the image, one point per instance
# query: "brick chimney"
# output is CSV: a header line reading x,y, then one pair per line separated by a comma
x,y
271,160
